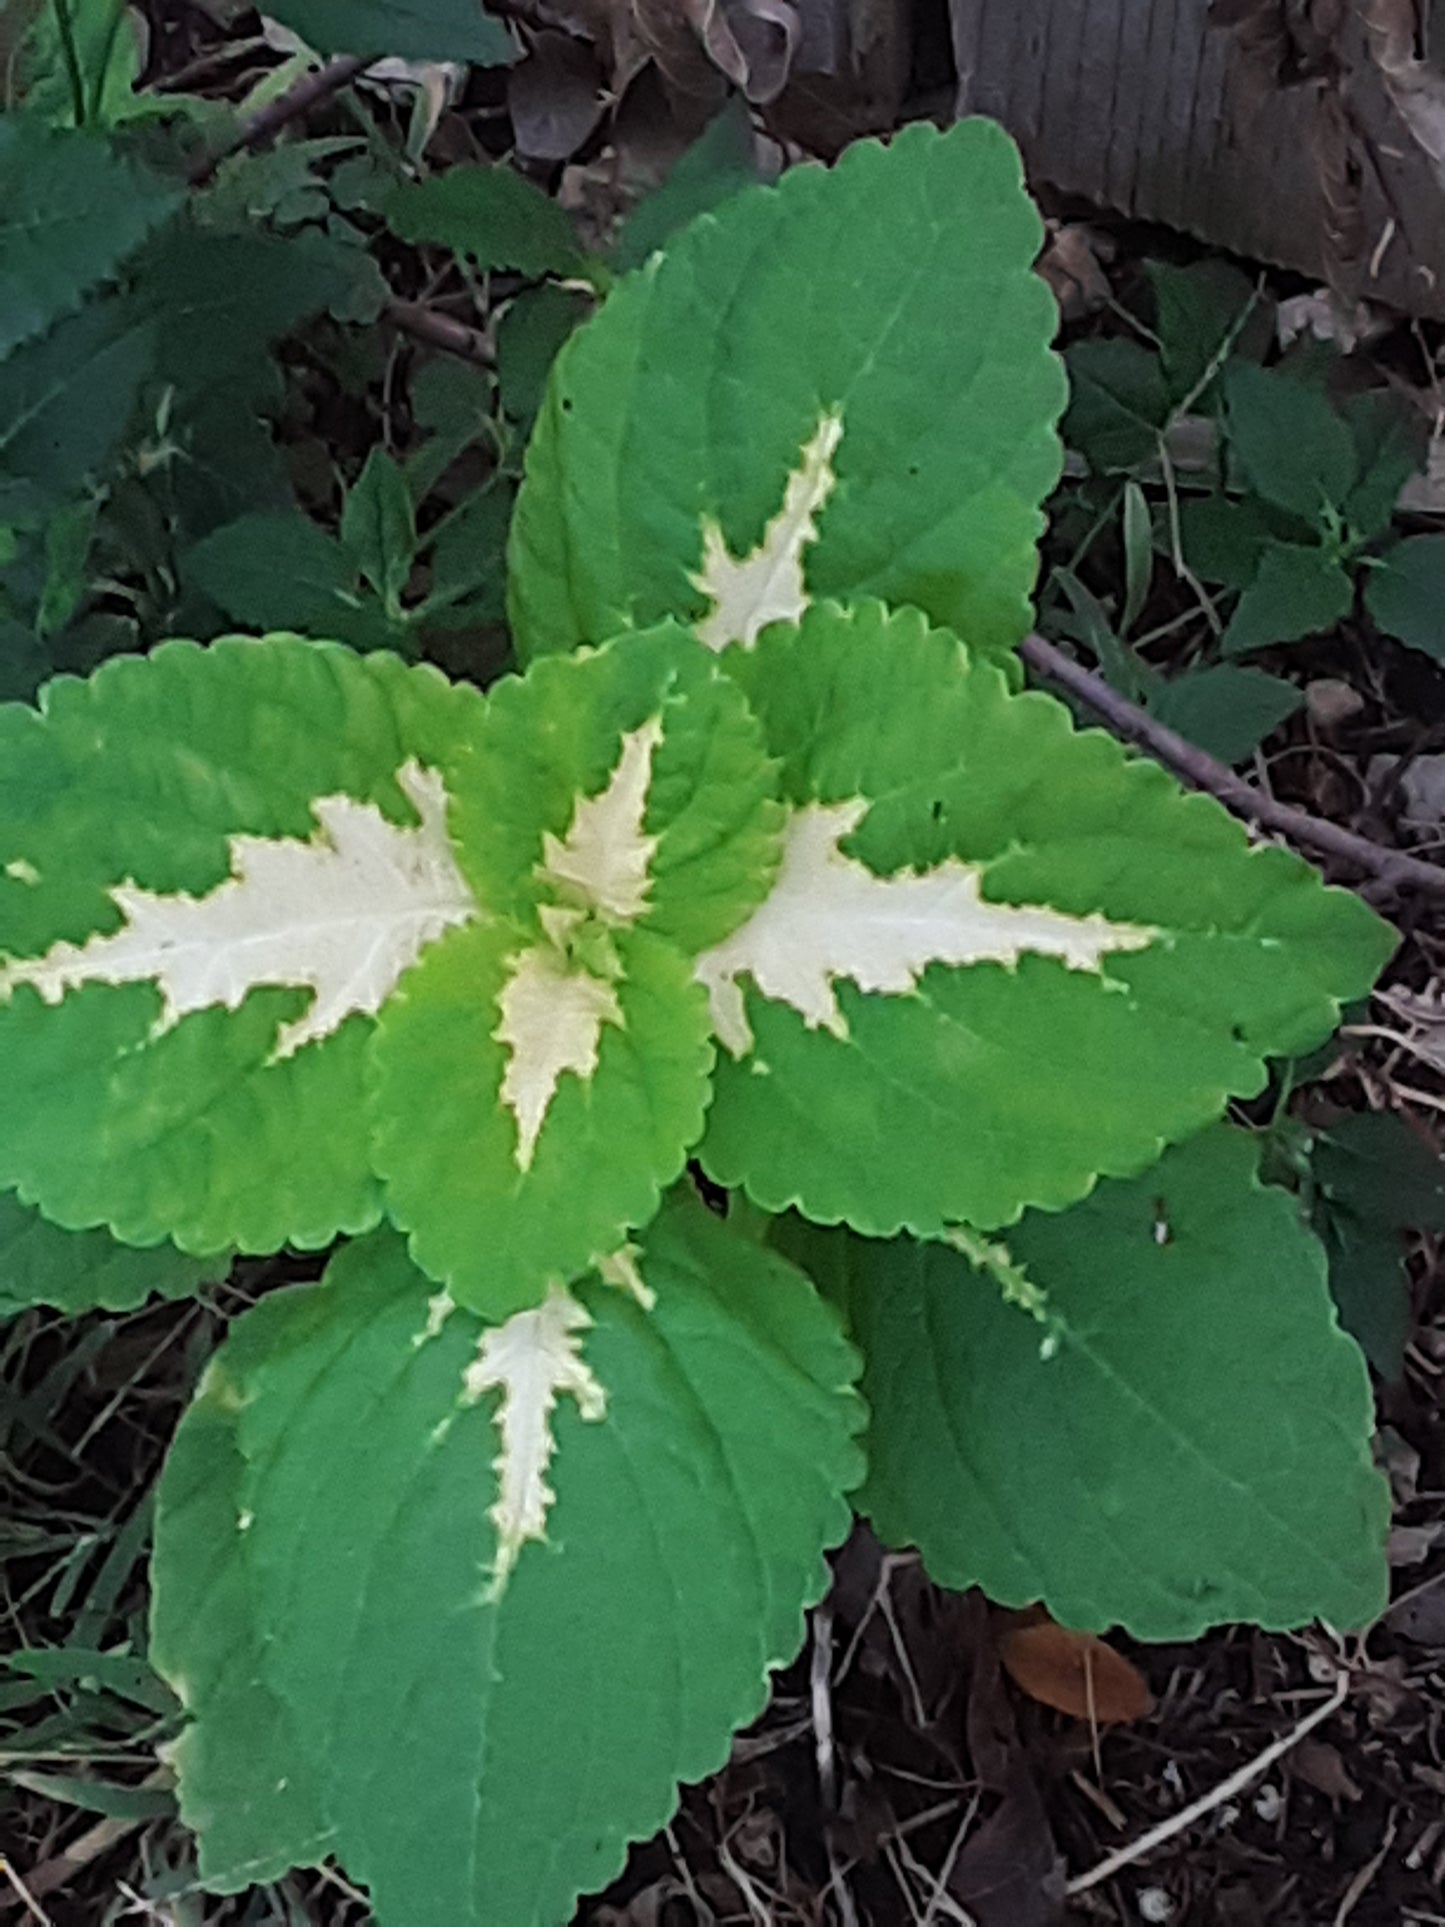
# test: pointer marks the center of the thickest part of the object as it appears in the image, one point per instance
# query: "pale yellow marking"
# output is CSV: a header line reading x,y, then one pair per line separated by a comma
x,y
829,917
766,585
534,1358
342,914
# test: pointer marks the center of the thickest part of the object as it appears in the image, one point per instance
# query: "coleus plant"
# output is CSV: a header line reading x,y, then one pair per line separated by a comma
x,y
469,1552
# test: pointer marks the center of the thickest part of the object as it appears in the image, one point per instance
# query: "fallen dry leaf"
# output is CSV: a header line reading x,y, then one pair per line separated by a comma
x,y
1075,1673
1322,1766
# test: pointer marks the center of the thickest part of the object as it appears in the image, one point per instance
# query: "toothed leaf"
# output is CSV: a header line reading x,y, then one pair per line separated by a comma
x,y
540,1077
559,1554
1002,957
214,865
1166,1429
838,386
76,1271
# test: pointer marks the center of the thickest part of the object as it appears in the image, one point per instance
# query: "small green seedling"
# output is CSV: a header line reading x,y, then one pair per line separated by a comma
x,y
470,1552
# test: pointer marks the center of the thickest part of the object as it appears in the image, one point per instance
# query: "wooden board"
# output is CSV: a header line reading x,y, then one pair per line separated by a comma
x,y
1143,106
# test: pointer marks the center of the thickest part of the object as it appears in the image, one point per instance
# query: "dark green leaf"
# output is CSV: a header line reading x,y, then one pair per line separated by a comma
x,y
68,536
1199,309
274,570
1298,592
1390,436
220,300
97,1796
1119,403
470,556
1225,710
378,527
528,338
1293,447
1374,1166
1405,594
1138,555
66,399
409,29
1223,540
491,215
713,168
76,1271
71,210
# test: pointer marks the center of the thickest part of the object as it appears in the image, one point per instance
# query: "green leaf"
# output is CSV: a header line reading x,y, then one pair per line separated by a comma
x,y
252,1798
1390,437
1298,592
529,338
560,1555
714,168
491,215
1292,446
1224,540
469,555
1374,1179
1118,405
66,399
1002,957
1178,1436
1405,593
81,1271
1138,555
378,527
841,385
218,301
73,210
1202,310
541,1076
275,569
407,29
1225,710
213,865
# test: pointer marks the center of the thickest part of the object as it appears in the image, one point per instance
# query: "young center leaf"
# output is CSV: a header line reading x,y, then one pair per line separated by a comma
x,y
1165,1429
842,385
542,1074
214,866
558,1555
1002,957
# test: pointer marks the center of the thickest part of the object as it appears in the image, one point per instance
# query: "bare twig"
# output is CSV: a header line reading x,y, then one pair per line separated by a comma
x,y
298,99
1216,1797
438,330
1204,772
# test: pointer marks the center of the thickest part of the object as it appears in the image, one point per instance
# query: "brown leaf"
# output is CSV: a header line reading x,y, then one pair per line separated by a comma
x,y
1417,91
555,97
1322,1766
1075,1673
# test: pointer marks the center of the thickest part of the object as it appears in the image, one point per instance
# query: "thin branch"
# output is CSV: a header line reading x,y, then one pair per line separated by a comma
x,y
1217,1796
1204,772
267,121
439,330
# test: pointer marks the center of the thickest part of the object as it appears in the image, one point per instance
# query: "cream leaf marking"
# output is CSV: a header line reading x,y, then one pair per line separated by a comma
x,y
830,917
622,1271
552,1007
552,1018
532,1360
342,914
766,585
602,862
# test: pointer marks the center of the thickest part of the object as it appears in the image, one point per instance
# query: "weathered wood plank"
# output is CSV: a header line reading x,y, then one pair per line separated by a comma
x,y
1142,106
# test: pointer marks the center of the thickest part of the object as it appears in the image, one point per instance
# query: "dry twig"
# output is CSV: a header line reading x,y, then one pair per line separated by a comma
x,y
1216,1797
1392,868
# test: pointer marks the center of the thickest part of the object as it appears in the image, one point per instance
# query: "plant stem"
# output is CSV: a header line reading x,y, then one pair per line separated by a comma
x,y
255,131
72,59
1392,868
